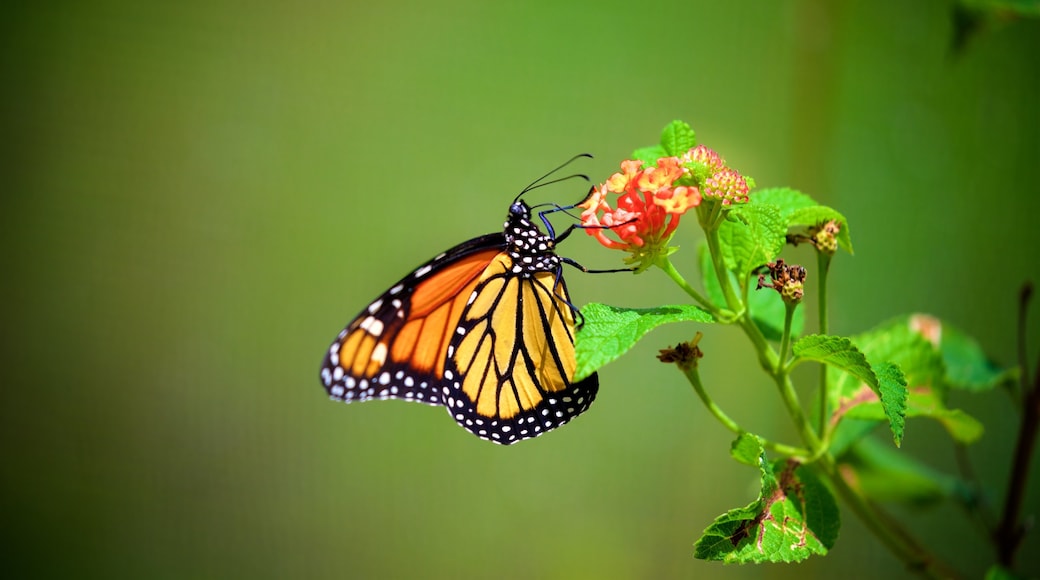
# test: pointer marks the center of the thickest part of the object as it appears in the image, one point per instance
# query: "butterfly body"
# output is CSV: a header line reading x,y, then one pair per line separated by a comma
x,y
485,330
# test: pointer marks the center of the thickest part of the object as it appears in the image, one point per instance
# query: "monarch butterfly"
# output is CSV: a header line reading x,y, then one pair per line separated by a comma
x,y
485,329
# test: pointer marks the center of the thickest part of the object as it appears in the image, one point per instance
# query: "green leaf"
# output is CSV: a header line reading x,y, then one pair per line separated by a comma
x,y
837,352
900,342
798,209
811,216
896,342
959,425
884,474
841,354
677,138
967,366
892,389
751,236
794,517
785,198
649,155
610,331
747,448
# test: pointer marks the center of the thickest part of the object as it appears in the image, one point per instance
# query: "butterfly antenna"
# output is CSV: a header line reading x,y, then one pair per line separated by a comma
x,y
539,182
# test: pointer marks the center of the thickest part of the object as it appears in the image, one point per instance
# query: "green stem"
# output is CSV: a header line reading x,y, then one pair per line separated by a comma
x,y
785,341
665,264
694,377
711,218
711,235
794,409
823,263
767,357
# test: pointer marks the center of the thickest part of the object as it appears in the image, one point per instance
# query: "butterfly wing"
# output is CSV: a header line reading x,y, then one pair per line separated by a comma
x,y
396,348
511,360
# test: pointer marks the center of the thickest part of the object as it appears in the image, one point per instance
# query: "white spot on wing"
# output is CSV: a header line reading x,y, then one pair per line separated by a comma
x,y
372,325
423,271
379,353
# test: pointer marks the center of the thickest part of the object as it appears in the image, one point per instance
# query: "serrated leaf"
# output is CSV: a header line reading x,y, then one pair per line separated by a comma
x,y
798,209
892,389
786,199
894,341
811,216
730,536
609,331
900,341
959,425
794,517
747,448
751,236
649,155
889,389
884,474
837,352
677,138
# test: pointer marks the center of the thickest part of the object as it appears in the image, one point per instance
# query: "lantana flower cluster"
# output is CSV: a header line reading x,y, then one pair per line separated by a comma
x,y
650,201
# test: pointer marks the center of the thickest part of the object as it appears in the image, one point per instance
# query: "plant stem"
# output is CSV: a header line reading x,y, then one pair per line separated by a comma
x,y
1009,533
1024,296
794,408
694,377
666,265
823,264
767,357
785,341
732,301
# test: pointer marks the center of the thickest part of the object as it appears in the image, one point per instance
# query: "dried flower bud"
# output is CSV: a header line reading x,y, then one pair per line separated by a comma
x,y
788,280
684,354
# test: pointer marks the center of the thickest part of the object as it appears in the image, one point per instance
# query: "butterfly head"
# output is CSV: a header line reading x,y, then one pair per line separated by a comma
x,y
530,249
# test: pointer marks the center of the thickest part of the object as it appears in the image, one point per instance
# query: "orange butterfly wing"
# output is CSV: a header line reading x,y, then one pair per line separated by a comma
x,y
511,360
396,348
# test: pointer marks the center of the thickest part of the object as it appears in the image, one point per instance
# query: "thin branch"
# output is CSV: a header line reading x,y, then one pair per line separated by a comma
x,y
1009,532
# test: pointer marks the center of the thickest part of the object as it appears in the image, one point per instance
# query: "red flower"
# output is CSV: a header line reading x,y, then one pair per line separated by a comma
x,y
652,199
647,209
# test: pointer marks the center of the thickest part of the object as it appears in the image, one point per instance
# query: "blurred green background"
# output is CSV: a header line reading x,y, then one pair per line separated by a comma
x,y
198,196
